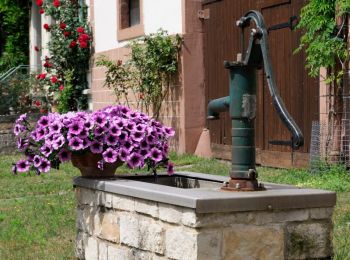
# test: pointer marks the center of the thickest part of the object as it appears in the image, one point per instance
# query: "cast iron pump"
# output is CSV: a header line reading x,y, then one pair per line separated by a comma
x,y
241,104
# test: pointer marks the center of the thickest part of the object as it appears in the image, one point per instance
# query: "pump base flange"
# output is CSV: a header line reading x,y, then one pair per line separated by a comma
x,y
243,185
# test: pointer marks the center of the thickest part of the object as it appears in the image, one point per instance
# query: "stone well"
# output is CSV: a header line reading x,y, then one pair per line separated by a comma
x,y
137,219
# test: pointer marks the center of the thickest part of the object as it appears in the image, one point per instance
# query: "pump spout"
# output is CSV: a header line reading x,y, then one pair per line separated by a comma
x,y
216,106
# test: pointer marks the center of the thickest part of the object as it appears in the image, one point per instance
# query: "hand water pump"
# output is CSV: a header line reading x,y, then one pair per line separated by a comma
x,y
241,104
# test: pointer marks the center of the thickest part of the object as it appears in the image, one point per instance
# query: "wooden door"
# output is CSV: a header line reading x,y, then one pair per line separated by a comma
x,y
299,92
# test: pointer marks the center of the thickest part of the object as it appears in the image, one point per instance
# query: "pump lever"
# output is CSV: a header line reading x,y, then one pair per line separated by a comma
x,y
258,53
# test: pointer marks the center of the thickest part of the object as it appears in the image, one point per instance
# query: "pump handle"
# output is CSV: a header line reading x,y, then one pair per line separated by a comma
x,y
263,55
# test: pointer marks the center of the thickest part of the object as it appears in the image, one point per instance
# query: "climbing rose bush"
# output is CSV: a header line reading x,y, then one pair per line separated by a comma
x,y
115,132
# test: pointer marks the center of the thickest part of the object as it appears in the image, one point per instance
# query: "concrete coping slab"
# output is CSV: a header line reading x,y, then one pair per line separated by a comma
x,y
212,200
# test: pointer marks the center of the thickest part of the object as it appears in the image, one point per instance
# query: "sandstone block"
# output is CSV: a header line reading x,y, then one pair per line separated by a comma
x,y
106,200
181,243
189,218
170,213
102,250
253,242
120,202
80,245
321,213
91,249
209,244
119,253
280,216
107,226
147,207
85,219
142,232
309,240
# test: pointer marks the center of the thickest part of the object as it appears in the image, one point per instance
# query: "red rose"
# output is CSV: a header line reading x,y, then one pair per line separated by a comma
x,y
72,44
83,37
39,2
61,88
119,62
41,11
36,48
42,76
37,103
66,33
56,3
83,45
63,26
46,27
80,30
47,65
54,79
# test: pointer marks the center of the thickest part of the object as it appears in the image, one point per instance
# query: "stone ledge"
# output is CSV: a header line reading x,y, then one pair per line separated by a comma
x,y
276,197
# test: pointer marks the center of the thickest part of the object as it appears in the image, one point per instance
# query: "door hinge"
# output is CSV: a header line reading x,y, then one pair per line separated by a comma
x,y
204,14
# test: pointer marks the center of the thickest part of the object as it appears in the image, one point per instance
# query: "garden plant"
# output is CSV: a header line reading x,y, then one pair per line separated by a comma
x,y
113,134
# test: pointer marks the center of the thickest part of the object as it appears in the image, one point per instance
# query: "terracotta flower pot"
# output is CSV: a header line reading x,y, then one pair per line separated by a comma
x,y
87,164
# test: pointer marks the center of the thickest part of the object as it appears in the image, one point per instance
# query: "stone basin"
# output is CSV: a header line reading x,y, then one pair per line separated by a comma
x,y
187,216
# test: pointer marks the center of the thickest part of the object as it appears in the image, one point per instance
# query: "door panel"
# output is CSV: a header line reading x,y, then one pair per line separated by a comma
x,y
299,92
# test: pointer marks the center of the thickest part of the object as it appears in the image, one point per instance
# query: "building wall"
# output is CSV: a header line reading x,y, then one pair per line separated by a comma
x,y
184,106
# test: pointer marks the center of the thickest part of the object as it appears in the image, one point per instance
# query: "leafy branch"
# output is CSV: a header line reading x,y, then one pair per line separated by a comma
x,y
324,41
148,72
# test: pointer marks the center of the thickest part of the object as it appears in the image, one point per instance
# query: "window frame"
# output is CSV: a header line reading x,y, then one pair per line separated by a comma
x,y
132,31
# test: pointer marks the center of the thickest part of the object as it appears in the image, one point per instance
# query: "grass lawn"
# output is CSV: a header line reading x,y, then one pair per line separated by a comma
x,y
37,213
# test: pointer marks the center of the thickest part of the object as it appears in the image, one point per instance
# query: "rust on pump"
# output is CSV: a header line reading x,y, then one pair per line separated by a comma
x,y
241,103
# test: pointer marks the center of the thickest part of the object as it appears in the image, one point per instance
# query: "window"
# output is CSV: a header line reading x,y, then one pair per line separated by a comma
x,y
129,19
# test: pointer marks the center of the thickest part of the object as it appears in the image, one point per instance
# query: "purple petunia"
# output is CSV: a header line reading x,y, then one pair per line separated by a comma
x,y
76,127
37,161
46,150
99,130
110,155
64,155
43,121
123,154
170,168
45,166
58,141
111,140
137,136
135,160
115,132
155,154
22,144
55,127
100,119
96,147
22,166
169,131
76,144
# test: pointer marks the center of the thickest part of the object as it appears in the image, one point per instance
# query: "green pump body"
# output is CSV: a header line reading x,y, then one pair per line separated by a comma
x,y
241,104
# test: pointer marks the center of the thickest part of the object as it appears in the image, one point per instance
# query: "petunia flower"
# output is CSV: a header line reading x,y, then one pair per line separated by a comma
x,y
155,154
22,165
135,160
110,155
76,144
45,166
96,147
37,161
64,155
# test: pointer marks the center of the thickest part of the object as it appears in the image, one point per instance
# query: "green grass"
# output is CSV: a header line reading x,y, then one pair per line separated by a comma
x,y
37,213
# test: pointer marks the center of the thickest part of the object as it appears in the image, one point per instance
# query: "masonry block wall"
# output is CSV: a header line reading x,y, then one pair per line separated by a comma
x,y
113,226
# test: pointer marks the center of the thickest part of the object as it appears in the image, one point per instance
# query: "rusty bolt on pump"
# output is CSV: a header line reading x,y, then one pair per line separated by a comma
x,y
241,104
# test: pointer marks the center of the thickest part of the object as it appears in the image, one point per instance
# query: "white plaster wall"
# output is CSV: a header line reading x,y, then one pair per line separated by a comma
x,y
165,14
